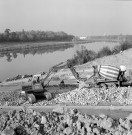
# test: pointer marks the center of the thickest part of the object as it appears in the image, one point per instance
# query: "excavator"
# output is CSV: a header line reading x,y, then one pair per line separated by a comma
x,y
103,77
37,87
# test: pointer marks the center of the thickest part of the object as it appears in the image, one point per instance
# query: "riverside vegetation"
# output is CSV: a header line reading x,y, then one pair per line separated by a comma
x,y
33,36
85,55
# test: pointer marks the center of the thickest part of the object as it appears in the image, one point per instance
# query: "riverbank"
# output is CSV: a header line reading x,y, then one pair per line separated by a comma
x,y
31,45
86,70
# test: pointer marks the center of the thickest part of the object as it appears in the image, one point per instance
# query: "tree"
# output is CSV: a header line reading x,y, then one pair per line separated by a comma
x,y
6,34
25,36
22,36
30,37
105,51
1,37
13,36
50,35
7,31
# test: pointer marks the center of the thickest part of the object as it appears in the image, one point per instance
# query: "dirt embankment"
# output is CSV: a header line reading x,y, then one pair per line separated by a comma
x,y
86,70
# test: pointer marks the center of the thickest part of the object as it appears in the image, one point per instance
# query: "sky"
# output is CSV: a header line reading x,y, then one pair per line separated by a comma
x,y
77,17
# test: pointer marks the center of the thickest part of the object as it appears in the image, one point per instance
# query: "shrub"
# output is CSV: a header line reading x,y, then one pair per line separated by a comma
x,y
83,56
105,51
126,45
116,49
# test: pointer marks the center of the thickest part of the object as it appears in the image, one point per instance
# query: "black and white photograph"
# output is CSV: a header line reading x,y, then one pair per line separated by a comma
x,y
65,67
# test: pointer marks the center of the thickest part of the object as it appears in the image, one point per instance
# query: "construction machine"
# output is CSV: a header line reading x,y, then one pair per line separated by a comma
x,y
37,87
104,76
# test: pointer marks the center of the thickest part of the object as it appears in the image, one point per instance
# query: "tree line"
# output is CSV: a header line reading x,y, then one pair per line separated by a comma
x,y
34,36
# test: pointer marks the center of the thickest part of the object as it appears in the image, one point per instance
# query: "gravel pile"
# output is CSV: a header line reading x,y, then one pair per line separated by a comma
x,y
30,122
84,96
11,98
94,96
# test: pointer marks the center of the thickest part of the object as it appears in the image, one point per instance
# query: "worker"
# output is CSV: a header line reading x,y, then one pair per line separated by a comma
x,y
62,84
38,79
122,71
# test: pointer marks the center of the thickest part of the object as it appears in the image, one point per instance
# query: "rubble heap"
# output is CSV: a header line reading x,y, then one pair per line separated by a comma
x,y
72,122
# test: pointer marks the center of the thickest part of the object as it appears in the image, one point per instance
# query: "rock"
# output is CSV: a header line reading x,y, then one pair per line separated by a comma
x,y
102,116
59,110
88,128
34,113
9,131
78,125
129,117
96,131
36,126
106,123
128,124
129,133
117,133
72,112
30,111
75,111
43,120
68,131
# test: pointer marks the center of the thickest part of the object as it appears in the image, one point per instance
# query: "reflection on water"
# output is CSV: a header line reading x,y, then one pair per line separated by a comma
x,y
13,54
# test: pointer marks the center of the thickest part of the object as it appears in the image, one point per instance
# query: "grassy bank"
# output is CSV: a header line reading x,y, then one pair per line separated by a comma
x,y
30,45
85,55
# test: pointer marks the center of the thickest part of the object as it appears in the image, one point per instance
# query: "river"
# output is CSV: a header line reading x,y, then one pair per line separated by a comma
x,y
15,63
